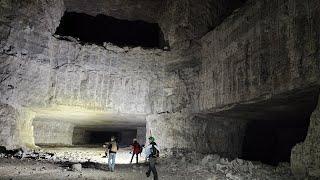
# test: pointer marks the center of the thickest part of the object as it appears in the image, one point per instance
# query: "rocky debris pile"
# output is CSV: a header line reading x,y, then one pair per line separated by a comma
x,y
223,168
21,154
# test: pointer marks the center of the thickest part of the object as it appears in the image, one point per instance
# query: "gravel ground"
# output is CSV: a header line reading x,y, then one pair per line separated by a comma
x,y
182,166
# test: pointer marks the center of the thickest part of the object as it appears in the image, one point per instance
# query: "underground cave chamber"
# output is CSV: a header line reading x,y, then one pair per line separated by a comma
x,y
235,78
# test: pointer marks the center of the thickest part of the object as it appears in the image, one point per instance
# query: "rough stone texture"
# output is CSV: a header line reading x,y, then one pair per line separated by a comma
x,y
41,71
25,127
224,135
182,131
305,157
129,9
263,49
17,130
169,134
181,21
52,132
86,76
141,135
80,136
8,136
185,21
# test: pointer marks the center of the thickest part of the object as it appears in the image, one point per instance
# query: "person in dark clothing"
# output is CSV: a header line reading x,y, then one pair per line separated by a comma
x,y
113,147
136,150
152,153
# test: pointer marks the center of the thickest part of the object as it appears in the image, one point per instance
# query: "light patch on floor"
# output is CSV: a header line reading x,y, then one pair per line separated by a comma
x,y
91,154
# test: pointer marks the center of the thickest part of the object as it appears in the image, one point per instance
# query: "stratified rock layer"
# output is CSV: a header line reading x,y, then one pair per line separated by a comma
x,y
52,133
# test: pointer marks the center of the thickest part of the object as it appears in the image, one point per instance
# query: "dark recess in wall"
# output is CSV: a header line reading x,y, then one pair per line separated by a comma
x,y
271,141
101,28
270,137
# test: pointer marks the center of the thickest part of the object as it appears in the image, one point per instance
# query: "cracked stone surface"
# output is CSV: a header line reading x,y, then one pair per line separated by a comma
x,y
224,59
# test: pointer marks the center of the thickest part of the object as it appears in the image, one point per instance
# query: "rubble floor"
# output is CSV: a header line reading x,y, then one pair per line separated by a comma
x,y
182,166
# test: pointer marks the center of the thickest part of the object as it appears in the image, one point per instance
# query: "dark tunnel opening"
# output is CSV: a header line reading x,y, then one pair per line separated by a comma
x,y
271,141
101,28
124,138
271,137
83,136
102,137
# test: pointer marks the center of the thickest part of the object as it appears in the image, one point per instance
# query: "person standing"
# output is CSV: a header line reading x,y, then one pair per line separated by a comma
x,y
152,153
136,150
113,147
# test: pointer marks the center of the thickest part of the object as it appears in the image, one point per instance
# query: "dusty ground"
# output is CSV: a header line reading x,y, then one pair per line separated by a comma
x,y
187,166
92,154
32,169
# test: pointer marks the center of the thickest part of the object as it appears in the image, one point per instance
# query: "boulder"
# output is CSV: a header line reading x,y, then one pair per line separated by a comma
x,y
76,167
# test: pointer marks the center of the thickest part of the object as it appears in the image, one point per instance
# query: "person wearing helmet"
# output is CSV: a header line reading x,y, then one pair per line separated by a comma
x,y
152,153
113,148
136,150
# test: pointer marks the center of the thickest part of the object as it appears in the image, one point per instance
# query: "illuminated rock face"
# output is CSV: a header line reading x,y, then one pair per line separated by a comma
x,y
52,132
259,63
8,117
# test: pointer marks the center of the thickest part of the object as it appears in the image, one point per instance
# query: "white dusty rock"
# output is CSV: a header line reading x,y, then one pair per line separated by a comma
x,y
234,177
76,167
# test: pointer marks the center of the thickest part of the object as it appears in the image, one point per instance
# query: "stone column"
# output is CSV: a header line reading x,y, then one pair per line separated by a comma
x,y
305,157
16,127
25,128
185,132
141,135
175,131
8,133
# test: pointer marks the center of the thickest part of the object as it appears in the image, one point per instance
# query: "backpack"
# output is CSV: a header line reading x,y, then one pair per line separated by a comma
x,y
154,151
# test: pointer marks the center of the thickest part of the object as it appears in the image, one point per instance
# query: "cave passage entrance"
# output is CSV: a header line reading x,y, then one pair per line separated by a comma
x,y
99,29
78,134
271,127
89,136
276,126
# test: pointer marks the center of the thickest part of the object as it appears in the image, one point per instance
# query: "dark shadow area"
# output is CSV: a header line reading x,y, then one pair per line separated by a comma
x,y
100,137
271,141
101,28
276,125
83,136
229,7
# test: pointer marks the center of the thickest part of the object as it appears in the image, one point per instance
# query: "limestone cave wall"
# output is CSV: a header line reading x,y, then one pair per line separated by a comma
x,y
80,136
263,49
52,133
39,70
224,53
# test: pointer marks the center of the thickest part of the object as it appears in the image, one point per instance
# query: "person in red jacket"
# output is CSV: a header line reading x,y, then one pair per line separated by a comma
x,y
136,150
